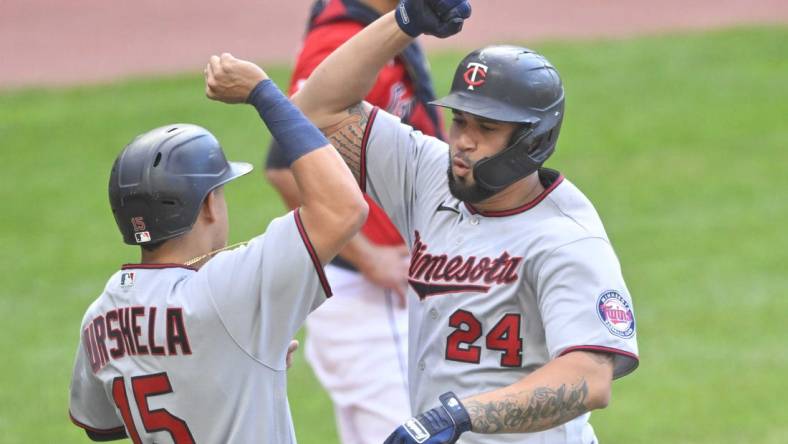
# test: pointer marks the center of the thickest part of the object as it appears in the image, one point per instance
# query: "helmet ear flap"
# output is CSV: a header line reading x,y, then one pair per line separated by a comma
x,y
510,165
544,145
520,134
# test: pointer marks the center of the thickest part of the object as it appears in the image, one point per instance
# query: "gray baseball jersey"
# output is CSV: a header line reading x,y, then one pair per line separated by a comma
x,y
173,354
494,296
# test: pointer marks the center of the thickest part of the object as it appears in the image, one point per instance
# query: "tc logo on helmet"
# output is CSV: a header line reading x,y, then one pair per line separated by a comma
x,y
475,75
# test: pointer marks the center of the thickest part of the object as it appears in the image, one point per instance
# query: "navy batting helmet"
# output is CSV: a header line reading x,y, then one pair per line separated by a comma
x,y
516,85
160,179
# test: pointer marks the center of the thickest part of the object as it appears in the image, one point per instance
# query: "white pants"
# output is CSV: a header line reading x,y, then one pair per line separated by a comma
x,y
356,343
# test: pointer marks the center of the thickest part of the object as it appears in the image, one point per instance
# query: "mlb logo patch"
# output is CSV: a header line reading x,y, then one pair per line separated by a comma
x,y
142,236
616,313
126,280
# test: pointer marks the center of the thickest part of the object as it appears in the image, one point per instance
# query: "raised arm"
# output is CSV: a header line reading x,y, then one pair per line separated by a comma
x,y
345,77
333,208
332,96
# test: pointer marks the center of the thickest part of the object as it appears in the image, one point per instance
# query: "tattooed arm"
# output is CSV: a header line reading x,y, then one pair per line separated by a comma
x,y
347,134
564,389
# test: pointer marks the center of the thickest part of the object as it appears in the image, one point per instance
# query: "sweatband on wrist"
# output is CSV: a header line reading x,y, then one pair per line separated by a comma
x,y
295,134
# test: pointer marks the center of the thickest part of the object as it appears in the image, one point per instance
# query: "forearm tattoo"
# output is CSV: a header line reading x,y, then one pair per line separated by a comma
x,y
347,135
541,409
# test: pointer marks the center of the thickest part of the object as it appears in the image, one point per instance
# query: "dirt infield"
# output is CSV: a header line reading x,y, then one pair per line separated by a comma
x,y
57,42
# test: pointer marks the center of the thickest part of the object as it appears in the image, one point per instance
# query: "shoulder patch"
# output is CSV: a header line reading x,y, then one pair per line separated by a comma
x,y
616,313
127,280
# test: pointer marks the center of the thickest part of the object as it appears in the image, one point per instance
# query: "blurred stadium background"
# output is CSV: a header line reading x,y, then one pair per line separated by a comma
x,y
676,128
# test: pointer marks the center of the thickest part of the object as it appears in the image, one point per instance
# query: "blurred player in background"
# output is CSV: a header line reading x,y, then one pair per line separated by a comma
x,y
186,346
356,342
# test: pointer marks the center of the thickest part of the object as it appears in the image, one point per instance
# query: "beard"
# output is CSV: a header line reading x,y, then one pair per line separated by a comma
x,y
462,189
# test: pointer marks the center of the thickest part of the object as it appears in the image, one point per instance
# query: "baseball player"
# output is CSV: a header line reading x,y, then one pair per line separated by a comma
x,y
519,315
183,349
356,342
520,318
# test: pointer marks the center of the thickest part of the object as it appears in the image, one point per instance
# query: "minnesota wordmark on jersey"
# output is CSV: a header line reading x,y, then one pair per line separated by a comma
x,y
471,274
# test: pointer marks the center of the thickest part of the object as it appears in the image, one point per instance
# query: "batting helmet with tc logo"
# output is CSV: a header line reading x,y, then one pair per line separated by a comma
x,y
516,85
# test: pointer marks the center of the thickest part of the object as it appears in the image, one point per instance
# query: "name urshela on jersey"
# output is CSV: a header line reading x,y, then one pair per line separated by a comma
x,y
471,274
118,333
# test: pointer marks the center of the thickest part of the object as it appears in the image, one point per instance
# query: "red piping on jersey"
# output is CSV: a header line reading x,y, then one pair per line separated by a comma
x,y
600,348
362,177
95,430
521,208
155,266
312,253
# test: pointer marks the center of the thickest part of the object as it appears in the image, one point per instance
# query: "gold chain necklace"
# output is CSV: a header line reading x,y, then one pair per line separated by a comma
x,y
208,255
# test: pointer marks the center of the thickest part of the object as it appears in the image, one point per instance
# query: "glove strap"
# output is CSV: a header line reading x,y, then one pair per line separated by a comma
x,y
462,421
405,22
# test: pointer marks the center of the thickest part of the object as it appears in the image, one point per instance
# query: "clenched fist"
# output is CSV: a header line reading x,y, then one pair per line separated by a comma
x,y
230,80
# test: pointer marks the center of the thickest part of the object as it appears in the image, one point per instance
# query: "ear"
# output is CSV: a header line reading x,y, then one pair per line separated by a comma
x,y
209,209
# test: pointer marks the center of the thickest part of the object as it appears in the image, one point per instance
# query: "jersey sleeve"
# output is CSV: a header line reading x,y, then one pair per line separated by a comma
x,y
263,292
585,304
401,168
89,406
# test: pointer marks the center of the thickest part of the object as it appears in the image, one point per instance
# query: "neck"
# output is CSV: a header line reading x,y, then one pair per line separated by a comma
x,y
515,195
177,251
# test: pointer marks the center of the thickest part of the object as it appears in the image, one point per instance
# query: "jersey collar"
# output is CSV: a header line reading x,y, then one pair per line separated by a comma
x,y
550,180
155,266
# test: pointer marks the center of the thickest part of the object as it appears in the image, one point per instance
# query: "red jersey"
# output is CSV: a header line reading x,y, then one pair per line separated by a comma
x,y
394,91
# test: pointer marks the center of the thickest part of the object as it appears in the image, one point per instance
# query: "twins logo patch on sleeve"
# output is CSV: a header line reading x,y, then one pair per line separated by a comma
x,y
616,313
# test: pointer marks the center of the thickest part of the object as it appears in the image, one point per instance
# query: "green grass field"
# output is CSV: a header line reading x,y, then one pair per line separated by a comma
x,y
680,141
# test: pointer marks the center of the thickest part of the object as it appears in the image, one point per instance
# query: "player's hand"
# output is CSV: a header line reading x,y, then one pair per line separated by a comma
x,y
388,268
441,425
230,80
441,18
290,351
